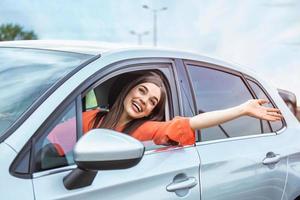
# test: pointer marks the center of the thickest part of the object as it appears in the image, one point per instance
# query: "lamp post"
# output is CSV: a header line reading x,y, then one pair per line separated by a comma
x,y
139,35
154,11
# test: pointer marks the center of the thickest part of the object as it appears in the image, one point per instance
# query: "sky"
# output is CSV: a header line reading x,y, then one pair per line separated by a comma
x,y
263,35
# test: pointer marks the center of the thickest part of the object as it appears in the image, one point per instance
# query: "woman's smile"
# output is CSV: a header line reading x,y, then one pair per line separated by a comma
x,y
136,106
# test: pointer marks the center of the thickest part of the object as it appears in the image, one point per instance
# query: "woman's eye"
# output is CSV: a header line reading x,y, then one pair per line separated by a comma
x,y
152,103
142,90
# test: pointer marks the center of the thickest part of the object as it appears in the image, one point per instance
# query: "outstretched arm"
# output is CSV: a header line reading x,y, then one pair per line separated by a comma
x,y
251,108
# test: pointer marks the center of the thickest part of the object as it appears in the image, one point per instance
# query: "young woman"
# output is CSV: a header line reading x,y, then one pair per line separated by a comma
x,y
139,111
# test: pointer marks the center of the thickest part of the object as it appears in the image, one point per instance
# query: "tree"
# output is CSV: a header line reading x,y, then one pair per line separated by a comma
x,y
15,32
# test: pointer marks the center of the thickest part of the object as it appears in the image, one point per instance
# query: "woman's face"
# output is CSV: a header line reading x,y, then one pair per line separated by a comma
x,y
141,100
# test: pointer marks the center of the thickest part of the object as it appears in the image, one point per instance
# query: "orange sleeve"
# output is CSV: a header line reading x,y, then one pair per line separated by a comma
x,y
87,120
177,129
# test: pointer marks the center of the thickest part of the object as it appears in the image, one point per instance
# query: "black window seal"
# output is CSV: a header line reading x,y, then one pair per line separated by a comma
x,y
212,66
75,95
12,169
78,111
41,99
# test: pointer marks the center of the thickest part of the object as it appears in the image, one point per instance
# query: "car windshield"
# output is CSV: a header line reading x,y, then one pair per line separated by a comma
x,y
25,74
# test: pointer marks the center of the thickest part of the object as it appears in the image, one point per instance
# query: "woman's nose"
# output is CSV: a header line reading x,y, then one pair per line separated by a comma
x,y
143,100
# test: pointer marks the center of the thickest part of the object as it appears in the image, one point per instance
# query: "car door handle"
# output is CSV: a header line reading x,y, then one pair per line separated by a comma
x,y
273,159
186,184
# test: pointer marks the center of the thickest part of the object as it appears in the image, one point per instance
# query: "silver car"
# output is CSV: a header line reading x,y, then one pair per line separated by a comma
x,y
46,86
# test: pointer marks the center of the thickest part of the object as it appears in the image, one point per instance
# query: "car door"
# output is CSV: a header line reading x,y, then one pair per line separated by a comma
x,y
163,172
240,159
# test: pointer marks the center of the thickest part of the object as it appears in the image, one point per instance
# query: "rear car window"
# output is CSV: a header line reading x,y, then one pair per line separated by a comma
x,y
26,74
215,90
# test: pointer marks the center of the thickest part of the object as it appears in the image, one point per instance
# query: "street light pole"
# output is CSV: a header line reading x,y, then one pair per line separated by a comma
x,y
155,28
139,35
155,11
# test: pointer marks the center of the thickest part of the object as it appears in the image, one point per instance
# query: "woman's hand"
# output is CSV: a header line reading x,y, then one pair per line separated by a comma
x,y
255,109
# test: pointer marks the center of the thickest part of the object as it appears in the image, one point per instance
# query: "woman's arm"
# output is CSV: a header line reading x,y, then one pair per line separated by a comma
x,y
251,108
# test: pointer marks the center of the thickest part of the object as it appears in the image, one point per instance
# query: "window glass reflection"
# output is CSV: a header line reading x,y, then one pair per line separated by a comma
x,y
216,90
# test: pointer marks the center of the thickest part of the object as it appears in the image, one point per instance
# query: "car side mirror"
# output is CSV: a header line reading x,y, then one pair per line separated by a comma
x,y
102,149
290,99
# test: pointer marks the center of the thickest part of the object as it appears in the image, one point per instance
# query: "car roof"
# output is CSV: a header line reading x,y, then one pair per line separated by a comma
x,y
85,47
96,48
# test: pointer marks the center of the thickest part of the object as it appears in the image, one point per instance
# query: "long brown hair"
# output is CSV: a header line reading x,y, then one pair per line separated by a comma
x,y
110,119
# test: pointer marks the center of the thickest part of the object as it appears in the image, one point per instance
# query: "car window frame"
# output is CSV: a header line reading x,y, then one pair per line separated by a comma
x,y
185,91
146,67
76,95
230,71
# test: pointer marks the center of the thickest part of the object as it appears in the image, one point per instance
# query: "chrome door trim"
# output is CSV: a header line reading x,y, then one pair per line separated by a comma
x,y
166,149
281,130
53,171
235,138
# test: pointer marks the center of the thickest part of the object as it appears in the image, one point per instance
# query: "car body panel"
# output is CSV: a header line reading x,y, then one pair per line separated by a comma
x,y
147,180
12,187
235,169
290,143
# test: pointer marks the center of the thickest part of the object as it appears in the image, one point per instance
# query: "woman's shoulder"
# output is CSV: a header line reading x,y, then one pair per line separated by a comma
x,y
89,113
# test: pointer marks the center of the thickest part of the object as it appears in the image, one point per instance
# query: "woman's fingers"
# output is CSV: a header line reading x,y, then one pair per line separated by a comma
x,y
271,117
273,110
262,101
274,114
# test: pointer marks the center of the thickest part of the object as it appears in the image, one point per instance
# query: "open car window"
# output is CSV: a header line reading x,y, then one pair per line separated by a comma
x,y
102,97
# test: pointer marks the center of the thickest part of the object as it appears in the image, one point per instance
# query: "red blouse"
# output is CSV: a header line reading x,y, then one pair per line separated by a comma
x,y
177,129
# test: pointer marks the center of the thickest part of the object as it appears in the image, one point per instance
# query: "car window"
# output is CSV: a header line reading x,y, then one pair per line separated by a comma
x,y
214,90
30,72
55,147
262,95
106,94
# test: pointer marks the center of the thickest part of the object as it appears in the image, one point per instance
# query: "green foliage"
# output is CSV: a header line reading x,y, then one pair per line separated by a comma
x,y
15,32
